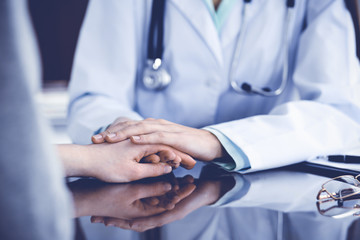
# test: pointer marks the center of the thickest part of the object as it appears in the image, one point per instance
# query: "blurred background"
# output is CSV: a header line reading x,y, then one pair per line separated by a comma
x,y
57,24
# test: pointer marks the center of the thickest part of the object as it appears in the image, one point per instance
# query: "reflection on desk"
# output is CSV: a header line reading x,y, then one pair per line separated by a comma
x,y
208,204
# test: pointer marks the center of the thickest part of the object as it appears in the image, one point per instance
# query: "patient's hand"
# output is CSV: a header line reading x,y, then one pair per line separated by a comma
x,y
120,162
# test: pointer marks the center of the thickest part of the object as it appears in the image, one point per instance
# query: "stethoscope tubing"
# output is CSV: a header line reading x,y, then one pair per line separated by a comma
x,y
246,88
156,26
158,78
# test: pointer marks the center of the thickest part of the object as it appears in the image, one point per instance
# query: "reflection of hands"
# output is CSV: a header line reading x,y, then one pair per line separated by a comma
x,y
127,201
207,192
199,143
119,162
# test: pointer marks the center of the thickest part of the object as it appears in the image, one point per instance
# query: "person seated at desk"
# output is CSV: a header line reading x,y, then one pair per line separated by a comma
x,y
34,200
269,83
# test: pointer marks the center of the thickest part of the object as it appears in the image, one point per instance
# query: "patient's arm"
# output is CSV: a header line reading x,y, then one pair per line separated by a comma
x,y
118,162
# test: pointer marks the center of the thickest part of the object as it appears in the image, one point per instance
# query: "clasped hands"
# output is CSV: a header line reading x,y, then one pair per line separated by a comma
x,y
164,141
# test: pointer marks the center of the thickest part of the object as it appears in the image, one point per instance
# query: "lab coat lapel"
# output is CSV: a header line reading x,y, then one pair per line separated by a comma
x,y
196,12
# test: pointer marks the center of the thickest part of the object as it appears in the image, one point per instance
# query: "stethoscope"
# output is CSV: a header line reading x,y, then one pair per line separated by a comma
x,y
155,77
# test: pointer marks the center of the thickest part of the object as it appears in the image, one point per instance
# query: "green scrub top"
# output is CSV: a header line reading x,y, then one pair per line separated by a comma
x,y
223,11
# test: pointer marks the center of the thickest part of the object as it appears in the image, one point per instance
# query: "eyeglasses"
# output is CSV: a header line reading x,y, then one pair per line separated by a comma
x,y
340,197
341,187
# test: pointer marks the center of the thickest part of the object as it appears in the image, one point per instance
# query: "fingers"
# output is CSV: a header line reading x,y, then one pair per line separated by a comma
x,y
125,131
156,159
186,160
99,138
114,222
188,179
174,197
151,190
122,130
97,219
143,223
174,158
177,193
152,201
169,139
165,156
165,138
170,158
169,155
159,200
145,170
120,223
153,158
139,225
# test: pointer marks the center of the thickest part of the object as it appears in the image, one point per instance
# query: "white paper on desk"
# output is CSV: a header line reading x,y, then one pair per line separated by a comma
x,y
351,166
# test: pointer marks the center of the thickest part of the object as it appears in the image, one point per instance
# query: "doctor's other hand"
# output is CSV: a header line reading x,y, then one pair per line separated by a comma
x,y
118,162
198,143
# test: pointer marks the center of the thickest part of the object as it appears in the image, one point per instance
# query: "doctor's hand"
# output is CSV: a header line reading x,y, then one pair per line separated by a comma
x,y
185,162
118,162
198,143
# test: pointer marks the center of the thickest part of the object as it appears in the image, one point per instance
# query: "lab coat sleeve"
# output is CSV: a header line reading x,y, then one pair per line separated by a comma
x,y
102,85
239,159
326,118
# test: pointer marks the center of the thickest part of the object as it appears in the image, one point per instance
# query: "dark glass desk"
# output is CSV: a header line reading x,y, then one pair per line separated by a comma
x,y
276,204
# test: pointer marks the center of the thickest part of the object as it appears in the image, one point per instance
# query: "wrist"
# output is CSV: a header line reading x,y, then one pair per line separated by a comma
x,y
77,159
87,162
218,149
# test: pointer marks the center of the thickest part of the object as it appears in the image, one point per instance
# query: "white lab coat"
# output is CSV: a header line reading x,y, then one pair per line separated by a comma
x,y
318,113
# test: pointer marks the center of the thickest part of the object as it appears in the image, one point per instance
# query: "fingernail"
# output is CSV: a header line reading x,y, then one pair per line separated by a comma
x,y
110,225
97,137
168,169
167,187
111,135
136,138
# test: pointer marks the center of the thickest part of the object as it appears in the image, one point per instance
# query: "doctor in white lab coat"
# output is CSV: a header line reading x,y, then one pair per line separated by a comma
x,y
318,113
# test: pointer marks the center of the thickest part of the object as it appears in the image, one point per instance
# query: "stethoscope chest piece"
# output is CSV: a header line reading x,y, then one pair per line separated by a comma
x,y
155,76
